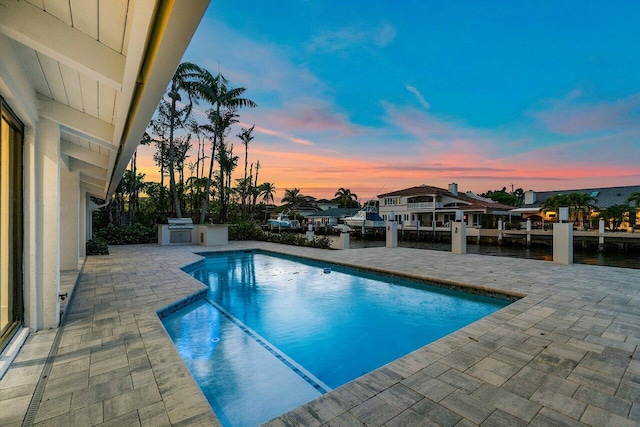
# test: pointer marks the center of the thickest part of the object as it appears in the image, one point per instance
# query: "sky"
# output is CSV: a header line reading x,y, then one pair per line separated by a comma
x,y
376,96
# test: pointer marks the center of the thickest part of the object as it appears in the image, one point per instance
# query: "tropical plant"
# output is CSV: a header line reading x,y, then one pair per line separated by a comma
x,y
633,200
554,202
221,97
187,79
267,190
246,137
292,196
346,198
581,203
614,216
502,196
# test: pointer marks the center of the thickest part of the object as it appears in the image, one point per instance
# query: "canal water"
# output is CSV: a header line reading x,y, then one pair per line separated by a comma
x,y
610,258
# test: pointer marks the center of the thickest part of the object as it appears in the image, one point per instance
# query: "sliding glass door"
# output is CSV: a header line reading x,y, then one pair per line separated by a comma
x,y
11,138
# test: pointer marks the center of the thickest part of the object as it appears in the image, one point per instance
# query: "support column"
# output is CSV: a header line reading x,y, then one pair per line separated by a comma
x,y
459,238
392,234
344,240
48,216
563,243
69,210
500,228
32,252
82,224
601,235
311,235
528,232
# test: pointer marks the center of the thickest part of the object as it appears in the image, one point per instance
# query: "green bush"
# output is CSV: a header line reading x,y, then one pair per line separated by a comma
x,y
97,247
250,231
245,231
127,234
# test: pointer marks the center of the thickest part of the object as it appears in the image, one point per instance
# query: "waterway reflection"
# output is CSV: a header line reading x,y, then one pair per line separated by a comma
x,y
630,259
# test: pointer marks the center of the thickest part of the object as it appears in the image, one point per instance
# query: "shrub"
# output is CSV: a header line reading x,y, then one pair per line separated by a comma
x,y
97,247
127,234
245,231
250,231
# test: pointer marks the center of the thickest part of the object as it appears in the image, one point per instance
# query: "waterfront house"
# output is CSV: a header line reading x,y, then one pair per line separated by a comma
x,y
79,82
331,216
436,207
604,197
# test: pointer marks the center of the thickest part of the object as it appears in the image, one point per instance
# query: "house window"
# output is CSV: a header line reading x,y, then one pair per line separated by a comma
x,y
11,135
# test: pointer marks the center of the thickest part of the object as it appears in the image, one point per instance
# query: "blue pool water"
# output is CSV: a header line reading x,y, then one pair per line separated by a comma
x,y
275,332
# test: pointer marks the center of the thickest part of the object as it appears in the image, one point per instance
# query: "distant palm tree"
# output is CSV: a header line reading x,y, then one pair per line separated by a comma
x,y
345,197
582,203
267,190
634,199
554,202
292,196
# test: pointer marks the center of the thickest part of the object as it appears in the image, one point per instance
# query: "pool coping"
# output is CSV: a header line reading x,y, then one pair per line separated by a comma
x,y
565,353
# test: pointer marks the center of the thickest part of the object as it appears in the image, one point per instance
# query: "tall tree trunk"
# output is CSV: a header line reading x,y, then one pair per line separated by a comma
x,y
221,190
162,177
133,189
255,195
245,187
172,178
207,186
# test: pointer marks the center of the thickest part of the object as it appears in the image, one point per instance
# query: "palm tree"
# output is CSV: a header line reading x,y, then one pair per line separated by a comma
x,y
187,79
228,162
556,201
220,96
634,199
345,197
246,137
581,203
292,196
267,190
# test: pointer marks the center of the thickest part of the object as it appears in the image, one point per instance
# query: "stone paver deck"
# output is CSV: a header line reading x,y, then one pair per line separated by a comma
x,y
565,354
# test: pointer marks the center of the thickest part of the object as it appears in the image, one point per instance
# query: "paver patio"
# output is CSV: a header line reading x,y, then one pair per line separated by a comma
x,y
565,354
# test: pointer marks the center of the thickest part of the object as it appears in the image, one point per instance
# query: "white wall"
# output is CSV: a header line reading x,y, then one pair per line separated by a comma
x,y
69,210
48,220
41,195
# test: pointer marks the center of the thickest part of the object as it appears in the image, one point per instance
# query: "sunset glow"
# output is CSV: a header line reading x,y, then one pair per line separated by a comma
x,y
374,98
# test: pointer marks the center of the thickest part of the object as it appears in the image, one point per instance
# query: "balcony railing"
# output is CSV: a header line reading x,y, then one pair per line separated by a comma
x,y
424,205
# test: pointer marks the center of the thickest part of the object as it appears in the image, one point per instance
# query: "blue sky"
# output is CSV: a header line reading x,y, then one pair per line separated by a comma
x,y
383,95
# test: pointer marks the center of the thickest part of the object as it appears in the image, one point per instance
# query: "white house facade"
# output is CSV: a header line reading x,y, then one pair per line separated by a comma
x,y
79,82
428,207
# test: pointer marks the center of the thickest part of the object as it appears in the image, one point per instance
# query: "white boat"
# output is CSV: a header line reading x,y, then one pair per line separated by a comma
x,y
283,221
367,217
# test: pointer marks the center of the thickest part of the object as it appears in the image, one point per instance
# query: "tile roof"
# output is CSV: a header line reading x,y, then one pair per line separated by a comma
x,y
337,212
606,197
426,190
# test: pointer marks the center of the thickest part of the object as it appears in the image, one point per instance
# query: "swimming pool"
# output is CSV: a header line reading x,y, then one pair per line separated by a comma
x,y
275,332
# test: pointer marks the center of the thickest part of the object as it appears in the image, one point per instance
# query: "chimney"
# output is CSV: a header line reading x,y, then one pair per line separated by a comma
x,y
453,188
529,197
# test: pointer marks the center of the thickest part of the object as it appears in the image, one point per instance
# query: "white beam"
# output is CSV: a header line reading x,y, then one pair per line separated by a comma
x,y
66,130
94,190
80,153
41,31
174,27
76,120
87,169
89,180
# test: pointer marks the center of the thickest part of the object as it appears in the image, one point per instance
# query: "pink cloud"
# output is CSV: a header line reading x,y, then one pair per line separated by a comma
x,y
282,135
311,116
572,116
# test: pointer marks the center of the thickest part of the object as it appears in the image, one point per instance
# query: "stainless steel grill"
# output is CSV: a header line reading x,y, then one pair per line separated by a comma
x,y
180,230
180,223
